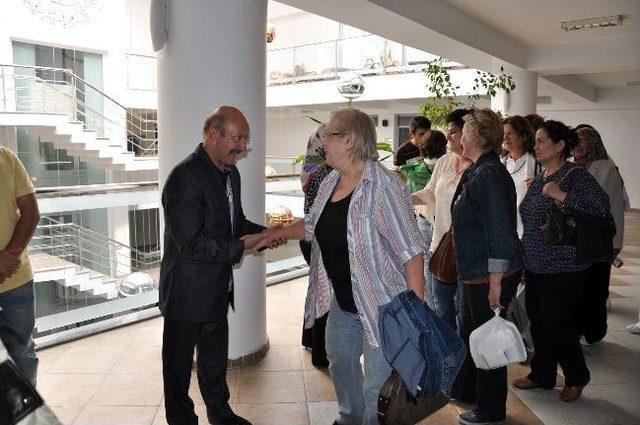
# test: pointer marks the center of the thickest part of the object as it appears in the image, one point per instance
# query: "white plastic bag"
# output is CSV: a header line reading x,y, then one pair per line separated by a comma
x,y
496,344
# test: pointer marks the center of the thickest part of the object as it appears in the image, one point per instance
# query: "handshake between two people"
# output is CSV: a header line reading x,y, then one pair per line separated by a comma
x,y
268,238
9,263
275,236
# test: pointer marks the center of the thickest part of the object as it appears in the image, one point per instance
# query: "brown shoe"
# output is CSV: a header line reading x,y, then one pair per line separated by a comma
x,y
525,383
571,393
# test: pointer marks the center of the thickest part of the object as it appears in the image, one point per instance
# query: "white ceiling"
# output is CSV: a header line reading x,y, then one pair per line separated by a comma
x,y
519,34
537,22
611,79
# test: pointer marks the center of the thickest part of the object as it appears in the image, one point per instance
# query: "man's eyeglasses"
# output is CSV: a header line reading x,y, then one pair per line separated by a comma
x,y
239,139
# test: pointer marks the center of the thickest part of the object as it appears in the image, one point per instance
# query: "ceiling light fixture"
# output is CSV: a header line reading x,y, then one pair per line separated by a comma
x,y
580,24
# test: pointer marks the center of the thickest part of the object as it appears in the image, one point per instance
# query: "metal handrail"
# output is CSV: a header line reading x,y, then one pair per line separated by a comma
x,y
131,120
85,247
76,77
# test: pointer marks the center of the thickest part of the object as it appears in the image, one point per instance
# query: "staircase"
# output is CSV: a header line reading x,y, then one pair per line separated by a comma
x,y
61,108
86,261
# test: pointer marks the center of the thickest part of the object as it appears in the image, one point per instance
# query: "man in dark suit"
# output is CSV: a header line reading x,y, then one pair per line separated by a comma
x,y
205,234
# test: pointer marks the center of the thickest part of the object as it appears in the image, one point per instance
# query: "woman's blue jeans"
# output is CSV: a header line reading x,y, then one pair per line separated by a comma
x,y
427,234
357,392
448,300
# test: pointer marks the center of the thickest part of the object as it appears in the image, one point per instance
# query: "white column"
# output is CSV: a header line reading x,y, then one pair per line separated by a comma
x,y
523,99
215,55
118,228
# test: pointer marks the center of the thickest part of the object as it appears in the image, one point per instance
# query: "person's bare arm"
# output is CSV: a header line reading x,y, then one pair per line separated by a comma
x,y
22,233
414,273
26,225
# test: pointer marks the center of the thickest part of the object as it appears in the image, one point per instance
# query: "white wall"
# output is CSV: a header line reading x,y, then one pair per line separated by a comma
x,y
287,135
305,28
616,116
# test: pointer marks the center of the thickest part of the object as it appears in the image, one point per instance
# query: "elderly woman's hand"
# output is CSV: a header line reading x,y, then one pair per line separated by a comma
x,y
495,290
552,190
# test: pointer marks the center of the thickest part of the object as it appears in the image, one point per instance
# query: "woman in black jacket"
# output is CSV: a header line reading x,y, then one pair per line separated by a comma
x,y
488,250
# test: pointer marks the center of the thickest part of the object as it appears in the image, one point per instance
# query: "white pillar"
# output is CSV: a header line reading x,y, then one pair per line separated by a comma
x,y
215,55
523,99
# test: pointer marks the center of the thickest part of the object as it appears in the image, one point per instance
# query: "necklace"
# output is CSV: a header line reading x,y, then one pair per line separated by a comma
x,y
524,162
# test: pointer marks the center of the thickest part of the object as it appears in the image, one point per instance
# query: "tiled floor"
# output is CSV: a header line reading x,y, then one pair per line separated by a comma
x,y
115,378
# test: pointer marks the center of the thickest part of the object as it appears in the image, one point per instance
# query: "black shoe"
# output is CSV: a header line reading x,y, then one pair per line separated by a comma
x,y
471,417
230,419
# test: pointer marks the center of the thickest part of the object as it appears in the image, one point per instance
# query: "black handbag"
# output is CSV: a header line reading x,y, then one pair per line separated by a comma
x,y
560,225
396,406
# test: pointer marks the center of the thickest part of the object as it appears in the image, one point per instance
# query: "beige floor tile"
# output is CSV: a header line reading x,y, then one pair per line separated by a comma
x,y
140,359
279,358
116,415
49,356
129,390
66,414
284,334
270,387
88,360
274,413
322,412
319,386
68,389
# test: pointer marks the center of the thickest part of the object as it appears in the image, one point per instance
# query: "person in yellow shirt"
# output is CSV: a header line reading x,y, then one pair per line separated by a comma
x,y
19,217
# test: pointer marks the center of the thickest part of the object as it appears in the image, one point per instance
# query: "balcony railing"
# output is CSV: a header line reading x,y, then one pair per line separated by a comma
x,y
367,54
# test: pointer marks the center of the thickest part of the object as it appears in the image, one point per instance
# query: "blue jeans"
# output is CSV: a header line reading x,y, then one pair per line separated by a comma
x,y
427,234
448,300
17,319
357,393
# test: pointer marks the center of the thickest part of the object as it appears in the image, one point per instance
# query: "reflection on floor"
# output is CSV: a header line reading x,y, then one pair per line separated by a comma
x,y
115,377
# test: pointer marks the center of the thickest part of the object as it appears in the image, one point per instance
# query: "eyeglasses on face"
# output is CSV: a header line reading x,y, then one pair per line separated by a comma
x,y
326,134
239,139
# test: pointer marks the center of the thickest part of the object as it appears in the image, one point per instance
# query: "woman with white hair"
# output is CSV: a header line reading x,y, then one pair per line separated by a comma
x,y
367,249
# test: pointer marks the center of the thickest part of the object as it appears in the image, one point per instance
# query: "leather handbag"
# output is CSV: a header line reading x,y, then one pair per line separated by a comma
x,y
397,407
560,226
443,260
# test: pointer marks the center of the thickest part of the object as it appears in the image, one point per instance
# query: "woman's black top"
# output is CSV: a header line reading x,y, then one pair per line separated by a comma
x,y
331,233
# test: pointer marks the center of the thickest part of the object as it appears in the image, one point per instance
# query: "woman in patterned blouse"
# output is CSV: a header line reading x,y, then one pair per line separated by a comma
x,y
553,274
367,249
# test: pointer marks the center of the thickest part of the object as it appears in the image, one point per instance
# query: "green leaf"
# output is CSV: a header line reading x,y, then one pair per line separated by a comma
x,y
384,147
316,120
298,159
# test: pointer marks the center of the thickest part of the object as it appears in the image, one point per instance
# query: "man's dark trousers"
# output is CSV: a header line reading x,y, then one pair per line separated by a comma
x,y
212,342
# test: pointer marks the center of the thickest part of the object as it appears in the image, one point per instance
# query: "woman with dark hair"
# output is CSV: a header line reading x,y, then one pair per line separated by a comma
x,y
488,251
314,170
432,147
518,141
553,272
591,154
535,121
418,129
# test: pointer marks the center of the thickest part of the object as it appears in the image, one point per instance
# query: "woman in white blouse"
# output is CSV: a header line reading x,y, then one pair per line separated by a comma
x,y
518,142
437,197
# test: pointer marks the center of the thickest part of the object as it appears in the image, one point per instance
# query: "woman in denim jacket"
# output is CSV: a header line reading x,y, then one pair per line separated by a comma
x,y
488,249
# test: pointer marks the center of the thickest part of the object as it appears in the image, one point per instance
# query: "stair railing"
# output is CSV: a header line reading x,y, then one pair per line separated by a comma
x,y
91,251
38,89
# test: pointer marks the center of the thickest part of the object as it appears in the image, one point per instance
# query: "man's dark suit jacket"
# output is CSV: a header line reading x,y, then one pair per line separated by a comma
x,y
199,249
